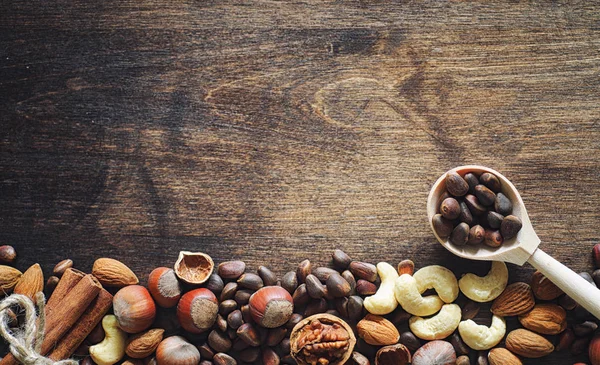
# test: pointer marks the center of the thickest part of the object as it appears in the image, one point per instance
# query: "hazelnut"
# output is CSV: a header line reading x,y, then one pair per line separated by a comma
x,y
435,352
175,350
134,308
271,306
7,254
197,310
194,267
164,287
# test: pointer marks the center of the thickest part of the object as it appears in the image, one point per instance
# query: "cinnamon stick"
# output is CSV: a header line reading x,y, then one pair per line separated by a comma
x,y
85,324
62,317
67,282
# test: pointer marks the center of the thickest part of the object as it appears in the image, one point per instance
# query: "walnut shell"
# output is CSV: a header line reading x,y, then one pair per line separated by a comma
x,y
334,341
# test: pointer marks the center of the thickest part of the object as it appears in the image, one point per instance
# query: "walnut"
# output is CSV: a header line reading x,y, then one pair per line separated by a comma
x,y
322,339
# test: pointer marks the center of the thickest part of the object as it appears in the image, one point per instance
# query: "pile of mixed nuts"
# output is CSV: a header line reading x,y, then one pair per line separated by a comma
x,y
473,210
351,313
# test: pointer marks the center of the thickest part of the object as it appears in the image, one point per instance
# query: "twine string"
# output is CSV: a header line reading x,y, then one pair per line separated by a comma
x,y
26,342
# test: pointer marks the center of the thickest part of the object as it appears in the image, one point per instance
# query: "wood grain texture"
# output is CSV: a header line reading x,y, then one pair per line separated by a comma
x,y
278,131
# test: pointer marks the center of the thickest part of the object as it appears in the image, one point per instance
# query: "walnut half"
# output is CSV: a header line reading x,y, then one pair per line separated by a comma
x,y
322,339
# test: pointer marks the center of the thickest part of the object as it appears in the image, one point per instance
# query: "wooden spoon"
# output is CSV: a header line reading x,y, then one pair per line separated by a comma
x,y
520,249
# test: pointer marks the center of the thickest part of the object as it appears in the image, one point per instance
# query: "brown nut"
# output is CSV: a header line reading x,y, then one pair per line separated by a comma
x,y
113,273
545,318
304,269
435,352
61,267
476,235
364,270
491,181
175,350
197,310
337,286
465,214
289,281
503,205
194,267
341,260
250,281
485,195
594,350
516,299
9,277
455,184
164,287
231,269
268,277
501,356
450,209
144,344
271,306
406,267
474,205
528,344
31,282
322,338
377,331
134,308
493,238
460,234
543,288
442,226
397,354
511,225
7,254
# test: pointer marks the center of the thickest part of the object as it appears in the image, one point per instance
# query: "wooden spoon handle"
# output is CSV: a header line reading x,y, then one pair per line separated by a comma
x,y
584,293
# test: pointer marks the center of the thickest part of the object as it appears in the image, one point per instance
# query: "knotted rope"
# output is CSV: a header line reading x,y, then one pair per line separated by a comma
x,y
26,342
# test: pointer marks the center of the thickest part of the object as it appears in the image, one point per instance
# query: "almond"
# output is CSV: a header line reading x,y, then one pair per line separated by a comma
x,y
543,288
547,319
31,282
144,344
516,299
501,356
9,277
111,272
377,331
528,344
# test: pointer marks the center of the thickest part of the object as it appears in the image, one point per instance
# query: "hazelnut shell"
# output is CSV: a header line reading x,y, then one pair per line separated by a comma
x,y
194,267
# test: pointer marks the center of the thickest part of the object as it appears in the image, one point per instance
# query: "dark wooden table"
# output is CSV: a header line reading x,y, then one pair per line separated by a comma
x,y
277,131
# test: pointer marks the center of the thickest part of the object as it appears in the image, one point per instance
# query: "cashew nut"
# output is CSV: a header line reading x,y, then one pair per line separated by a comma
x,y
437,327
409,297
383,302
439,278
486,288
480,337
112,348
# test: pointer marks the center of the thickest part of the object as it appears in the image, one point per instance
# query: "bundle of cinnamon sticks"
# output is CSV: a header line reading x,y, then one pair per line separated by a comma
x,y
76,306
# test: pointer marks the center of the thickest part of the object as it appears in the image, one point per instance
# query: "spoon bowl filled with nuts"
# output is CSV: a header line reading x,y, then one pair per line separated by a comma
x,y
477,213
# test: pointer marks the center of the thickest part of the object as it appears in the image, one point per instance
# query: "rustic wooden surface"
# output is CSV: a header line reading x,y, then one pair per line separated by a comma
x,y
274,131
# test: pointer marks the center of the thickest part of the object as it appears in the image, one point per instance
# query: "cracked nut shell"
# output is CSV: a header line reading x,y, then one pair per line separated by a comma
x,y
322,338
